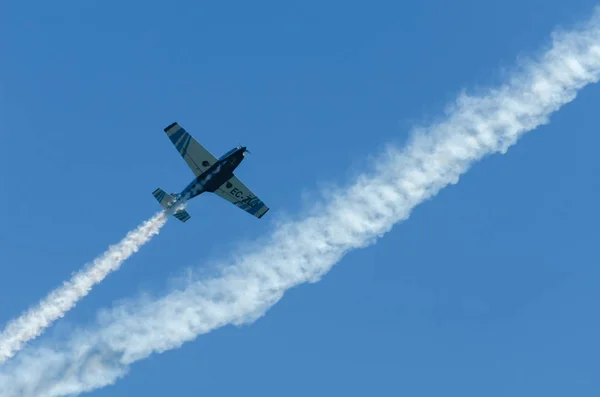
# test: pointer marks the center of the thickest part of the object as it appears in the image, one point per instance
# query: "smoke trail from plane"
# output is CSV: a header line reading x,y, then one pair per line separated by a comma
x,y
33,322
305,250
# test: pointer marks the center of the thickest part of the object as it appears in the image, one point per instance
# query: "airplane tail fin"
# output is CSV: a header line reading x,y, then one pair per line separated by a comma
x,y
165,200
182,215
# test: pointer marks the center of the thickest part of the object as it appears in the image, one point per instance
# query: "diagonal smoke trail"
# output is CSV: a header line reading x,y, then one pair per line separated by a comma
x,y
303,251
33,322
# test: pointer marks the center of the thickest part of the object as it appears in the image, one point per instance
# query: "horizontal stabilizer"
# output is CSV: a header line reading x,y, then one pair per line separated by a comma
x,y
165,200
182,215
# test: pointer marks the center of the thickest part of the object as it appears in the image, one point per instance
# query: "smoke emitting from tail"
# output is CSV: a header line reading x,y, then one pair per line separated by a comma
x,y
303,251
33,322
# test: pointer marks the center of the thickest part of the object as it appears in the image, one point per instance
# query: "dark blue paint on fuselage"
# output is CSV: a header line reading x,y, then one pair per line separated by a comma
x,y
215,176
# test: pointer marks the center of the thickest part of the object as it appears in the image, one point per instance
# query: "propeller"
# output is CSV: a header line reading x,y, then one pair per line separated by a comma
x,y
239,146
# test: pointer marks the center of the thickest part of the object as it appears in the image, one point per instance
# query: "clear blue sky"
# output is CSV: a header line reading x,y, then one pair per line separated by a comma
x,y
490,289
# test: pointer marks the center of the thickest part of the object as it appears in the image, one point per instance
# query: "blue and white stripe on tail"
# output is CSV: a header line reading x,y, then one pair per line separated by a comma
x,y
182,215
166,200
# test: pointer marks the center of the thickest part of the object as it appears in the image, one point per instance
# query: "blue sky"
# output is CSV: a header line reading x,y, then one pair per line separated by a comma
x,y
488,289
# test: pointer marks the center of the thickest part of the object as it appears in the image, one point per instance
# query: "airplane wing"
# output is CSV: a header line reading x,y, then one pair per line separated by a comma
x,y
237,193
195,155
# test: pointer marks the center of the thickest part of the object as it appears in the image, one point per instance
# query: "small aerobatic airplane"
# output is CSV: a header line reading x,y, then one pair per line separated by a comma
x,y
212,175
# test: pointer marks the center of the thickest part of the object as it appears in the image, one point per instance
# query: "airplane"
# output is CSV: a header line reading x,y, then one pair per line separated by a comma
x,y
212,175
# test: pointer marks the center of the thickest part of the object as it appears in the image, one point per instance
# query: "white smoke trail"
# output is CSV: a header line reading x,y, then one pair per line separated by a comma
x,y
33,322
303,251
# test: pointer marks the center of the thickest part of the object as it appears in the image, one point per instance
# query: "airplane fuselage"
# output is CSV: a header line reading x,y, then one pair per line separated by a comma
x,y
212,178
211,174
